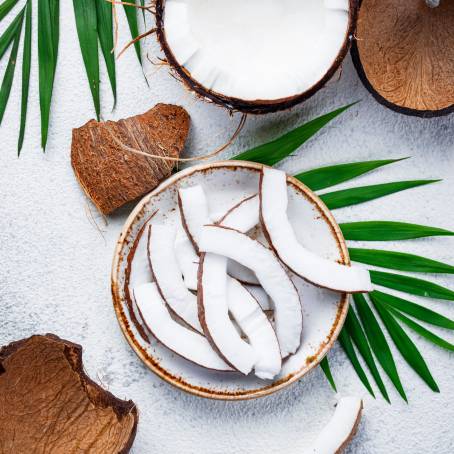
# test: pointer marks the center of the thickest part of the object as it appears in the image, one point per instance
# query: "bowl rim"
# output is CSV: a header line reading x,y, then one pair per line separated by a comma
x,y
118,300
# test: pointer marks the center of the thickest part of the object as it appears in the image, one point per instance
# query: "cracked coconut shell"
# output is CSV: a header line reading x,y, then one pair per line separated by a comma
x,y
48,404
113,175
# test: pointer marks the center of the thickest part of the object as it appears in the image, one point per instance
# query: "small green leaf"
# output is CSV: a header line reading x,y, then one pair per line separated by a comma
x,y
87,30
8,77
10,33
413,309
346,343
431,337
378,342
406,346
106,40
399,261
324,364
6,7
389,231
356,332
48,38
326,177
273,152
411,285
355,196
131,16
26,65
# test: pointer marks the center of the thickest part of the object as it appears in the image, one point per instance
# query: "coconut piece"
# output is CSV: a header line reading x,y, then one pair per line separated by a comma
x,y
206,47
270,273
253,322
111,175
187,259
48,403
342,427
182,341
281,236
404,54
214,317
168,277
243,216
260,296
241,273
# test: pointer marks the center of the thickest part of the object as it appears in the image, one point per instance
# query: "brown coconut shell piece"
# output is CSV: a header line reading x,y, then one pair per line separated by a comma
x,y
111,175
404,55
49,405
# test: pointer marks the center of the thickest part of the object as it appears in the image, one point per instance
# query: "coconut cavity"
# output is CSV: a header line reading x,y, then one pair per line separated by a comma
x,y
265,52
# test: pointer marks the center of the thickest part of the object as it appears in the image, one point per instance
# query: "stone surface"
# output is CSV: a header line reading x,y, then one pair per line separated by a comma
x,y
55,265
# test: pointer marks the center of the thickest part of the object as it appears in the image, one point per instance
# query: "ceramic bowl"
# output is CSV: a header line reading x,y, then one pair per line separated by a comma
x,y
226,183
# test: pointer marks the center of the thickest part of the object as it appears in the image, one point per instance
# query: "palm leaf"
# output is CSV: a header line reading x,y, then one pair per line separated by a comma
x,y
106,40
48,38
273,152
8,77
389,231
378,342
87,30
355,330
324,364
413,309
346,343
26,66
355,196
326,177
131,16
417,328
10,33
406,346
411,285
399,261
6,6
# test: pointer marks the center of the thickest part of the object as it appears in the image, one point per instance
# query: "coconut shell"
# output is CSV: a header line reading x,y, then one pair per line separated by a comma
x,y
109,173
48,403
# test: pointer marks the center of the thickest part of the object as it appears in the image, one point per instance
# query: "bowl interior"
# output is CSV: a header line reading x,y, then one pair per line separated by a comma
x,y
225,184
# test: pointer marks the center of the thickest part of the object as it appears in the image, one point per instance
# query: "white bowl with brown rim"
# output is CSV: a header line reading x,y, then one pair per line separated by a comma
x,y
226,183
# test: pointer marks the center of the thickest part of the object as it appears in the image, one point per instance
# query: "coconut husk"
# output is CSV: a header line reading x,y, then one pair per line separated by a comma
x,y
113,175
48,403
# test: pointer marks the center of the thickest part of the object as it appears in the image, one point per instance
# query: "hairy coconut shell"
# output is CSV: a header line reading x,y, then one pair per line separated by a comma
x,y
404,55
241,105
111,175
48,403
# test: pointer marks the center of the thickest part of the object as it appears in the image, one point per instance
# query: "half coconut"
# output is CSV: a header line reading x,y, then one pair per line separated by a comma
x,y
256,56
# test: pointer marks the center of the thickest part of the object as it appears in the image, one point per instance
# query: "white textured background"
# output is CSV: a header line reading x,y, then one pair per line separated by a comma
x,y
55,266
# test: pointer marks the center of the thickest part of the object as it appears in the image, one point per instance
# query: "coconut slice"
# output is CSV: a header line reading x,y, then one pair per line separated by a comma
x,y
241,273
187,259
271,275
253,322
243,216
260,296
168,277
342,427
207,47
214,314
317,270
184,342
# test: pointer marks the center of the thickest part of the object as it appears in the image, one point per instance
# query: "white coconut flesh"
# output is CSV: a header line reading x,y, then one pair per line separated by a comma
x,y
256,49
281,236
140,272
168,277
271,275
187,259
183,341
253,322
334,437
260,296
212,299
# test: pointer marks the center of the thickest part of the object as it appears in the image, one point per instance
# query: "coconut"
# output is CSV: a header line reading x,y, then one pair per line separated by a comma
x,y
281,236
256,56
404,54
184,342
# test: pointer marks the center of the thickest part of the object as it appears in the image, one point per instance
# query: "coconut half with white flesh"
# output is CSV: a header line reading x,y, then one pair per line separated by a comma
x,y
339,431
281,236
271,275
183,341
257,56
168,277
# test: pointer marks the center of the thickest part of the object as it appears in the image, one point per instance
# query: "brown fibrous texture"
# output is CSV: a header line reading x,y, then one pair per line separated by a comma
x,y
108,169
48,403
